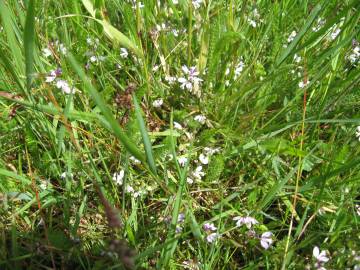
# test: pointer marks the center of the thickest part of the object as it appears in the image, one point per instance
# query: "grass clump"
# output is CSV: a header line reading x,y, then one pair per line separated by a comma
x,y
179,134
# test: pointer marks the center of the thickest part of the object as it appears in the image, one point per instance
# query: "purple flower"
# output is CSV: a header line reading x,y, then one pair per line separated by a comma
x,y
248,221
209,227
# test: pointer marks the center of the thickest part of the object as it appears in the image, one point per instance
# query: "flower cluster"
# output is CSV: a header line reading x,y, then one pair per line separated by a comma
x,y
210,230
254,19
266,238
190,80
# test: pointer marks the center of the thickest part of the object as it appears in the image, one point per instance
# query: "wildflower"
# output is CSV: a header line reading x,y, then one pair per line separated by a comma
x,y
155,68
66,174
181,218
46,52
177,126
118,177
160,27
158,103
211,151
178,229
135,160
297,58
192,80
291,36
62,49
227,71
357,208
129,189
189,180
200,118
303,84
182,161
335,32
320,23
51,77
320,257
238,69
357,132
203,159
63,86
248,221
355,55
212,237
89,41
197,3
198,173
251,22
209,227
191,264
170,79
266,240
124,53
93,58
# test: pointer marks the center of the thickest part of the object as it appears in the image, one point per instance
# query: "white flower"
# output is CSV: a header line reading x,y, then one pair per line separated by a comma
x,y
158,103
129,189
297,58
155,68
197,3
62,49
89,41
203,159
170,79
336,31
177,126
212,237
251,22
248,221
211,151
291,36
238,69
209,227
51,77
355,55
135,160
185,83
118,177
189,180
65,174
198,173
124,53
227,71
320,23
357,208
64,86
93,58
266,240
46,52
303,84
200,118
182,161
320,256
357,132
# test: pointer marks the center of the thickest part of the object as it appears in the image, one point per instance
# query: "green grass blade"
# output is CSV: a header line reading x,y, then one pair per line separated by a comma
x,y
145,136
29,41
301,33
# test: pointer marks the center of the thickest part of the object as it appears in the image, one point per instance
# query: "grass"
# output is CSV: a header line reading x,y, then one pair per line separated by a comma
x,y
116,154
